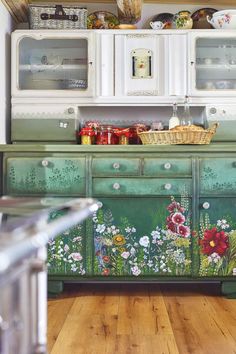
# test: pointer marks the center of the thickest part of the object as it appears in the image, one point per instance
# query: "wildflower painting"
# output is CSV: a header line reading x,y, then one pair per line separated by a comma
x,y
123,248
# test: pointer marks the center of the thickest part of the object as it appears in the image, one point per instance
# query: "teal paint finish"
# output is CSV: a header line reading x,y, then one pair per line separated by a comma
x,y
116,166
148,237
218,175
217,238
140,186
167,167
46,175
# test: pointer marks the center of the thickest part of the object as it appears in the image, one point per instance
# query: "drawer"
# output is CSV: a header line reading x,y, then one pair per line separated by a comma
x,y
140,186
218,175
45,175
116,166
167,167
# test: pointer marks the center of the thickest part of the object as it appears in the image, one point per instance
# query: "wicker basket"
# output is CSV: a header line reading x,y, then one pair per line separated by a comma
x,y
169,137
57,17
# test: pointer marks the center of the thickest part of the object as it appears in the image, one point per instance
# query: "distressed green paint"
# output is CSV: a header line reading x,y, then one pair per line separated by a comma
x,y
217,236
60,176
167,167
218,175
116,166
144,238
140,186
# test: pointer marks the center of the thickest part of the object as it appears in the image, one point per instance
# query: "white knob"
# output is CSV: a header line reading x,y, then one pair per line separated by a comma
x,y
168,186
116,186
45,163
100,204
71,110
167,166
116,165
206,205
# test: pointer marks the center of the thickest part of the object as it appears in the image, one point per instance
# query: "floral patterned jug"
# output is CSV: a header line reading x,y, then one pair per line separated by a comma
x,y
183,20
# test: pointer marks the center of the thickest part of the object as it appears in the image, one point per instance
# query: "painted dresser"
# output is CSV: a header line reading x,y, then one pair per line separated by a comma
x,y
168,212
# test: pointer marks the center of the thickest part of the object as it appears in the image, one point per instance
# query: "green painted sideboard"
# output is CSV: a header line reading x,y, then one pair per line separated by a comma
x,y
168,212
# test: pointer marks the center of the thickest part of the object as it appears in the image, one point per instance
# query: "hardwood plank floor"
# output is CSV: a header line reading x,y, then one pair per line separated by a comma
x,y
141,319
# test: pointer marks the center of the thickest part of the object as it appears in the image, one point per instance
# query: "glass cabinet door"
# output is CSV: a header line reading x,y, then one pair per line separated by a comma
x,y
215,64
54,64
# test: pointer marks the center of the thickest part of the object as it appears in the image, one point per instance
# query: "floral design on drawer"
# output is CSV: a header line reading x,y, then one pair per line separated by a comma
x,y
66,252
217,246
50,175
122,249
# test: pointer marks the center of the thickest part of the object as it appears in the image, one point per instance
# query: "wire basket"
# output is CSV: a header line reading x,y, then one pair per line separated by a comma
x,y
169,137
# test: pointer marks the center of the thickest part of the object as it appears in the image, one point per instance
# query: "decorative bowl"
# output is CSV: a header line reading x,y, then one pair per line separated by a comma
x,y
224,19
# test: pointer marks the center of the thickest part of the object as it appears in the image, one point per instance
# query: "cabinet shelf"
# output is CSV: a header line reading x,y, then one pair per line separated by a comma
x,y
60,68
215,67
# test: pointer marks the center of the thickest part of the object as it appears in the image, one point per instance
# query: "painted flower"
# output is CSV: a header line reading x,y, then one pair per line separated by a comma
x,y
76,256
223,224
214,241
74,268
66,248
107,242
144,241
125,255
106,271
100,228
178,218
118,240
184,231
213,258
135,270
175,206
171,226
106,259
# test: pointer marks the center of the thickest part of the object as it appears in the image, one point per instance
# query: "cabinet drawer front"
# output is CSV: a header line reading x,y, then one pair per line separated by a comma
x,y
45,175
140,186
167,167
116,167
218,176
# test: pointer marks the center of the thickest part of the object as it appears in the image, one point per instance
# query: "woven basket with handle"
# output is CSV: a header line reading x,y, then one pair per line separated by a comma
x,y
167,137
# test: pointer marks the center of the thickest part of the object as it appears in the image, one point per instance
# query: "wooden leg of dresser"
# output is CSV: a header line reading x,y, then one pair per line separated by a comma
x,y
228,288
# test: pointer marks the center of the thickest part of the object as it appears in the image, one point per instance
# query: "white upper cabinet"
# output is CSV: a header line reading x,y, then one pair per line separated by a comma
x,y
150,66
53,64
212,65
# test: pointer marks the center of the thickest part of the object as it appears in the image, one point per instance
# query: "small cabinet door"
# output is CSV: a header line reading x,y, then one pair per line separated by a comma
x,y
140,237
147,65
53,64
212,64
216,245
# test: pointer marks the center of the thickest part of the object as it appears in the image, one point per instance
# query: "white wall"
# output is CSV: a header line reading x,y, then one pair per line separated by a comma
x,y
6,27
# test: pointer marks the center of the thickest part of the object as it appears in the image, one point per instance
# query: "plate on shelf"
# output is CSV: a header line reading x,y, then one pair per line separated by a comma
x,y
165,17
102,20
200,17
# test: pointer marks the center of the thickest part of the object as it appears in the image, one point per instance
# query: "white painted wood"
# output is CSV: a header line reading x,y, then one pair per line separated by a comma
x,y
105,65
17,36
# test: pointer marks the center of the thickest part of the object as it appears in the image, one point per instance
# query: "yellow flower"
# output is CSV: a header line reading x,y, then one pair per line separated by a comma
x,y
118,240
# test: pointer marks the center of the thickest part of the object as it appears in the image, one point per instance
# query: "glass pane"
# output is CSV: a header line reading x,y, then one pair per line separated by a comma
x,y
53,64
216,64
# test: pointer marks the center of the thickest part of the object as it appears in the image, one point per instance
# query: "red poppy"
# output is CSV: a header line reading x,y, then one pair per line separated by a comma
x,y
106,271
214,242
106,259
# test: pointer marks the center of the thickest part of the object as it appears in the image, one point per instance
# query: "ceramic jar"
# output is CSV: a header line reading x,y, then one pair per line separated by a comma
x,y
183,20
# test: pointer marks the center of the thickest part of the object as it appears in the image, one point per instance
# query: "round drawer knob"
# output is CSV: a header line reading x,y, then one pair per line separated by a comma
x,y
116,186
167,186
71,110
167,166
206,205
100,204
116,165
44,163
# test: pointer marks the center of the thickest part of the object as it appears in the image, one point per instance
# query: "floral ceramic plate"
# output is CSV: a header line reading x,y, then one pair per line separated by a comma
x,y
166,18
102,20
199,17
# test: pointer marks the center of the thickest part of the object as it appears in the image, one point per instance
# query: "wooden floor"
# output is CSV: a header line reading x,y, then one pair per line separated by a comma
x,y
143,319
